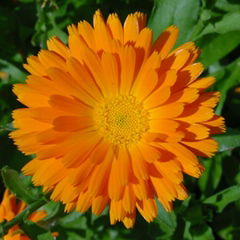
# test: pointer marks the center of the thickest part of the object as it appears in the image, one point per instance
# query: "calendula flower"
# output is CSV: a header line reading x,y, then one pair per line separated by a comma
x,y
237,90
10,208
115,119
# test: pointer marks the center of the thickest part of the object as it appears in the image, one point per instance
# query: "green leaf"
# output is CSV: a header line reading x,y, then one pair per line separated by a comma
x,y
15,74
231,171
201,232
227,6
211,177
166,217
211,46
229,23
35,232
221,199
230,79
186,233
73,220
228,140
194,213
17,185
226,224
183,14
54,210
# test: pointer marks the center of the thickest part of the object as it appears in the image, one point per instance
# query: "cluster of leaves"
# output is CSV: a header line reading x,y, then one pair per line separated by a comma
x,y
213,210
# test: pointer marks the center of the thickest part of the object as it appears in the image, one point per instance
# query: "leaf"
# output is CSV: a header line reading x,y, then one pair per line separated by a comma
x,y
14,181
212,49
221,199
227,6
54,210
35,232
201,232
15,74
228,140
229,23
166,217
230,79
226,224
183,14
73,220
8,127
186,233
211,177
231,171
194,213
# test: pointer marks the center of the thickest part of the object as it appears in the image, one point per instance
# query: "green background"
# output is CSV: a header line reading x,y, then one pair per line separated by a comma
x,y
213,209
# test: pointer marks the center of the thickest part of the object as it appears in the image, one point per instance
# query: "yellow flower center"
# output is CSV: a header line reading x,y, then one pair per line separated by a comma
x,y
122,120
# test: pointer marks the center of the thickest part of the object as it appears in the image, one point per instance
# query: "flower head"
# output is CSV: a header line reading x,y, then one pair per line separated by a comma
x,y
9,208
114,119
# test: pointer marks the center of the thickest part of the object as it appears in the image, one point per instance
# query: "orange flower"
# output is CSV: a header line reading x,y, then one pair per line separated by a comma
x,y
9,208
237,90
114,119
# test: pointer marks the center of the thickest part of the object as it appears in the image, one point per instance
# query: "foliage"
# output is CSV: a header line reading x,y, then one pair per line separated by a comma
x,y
213,209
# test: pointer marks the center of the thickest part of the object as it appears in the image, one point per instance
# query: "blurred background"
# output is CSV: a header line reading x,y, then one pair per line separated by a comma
x,y
213,209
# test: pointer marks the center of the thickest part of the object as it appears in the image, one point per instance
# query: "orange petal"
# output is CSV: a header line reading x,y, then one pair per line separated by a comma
x,y
115,26
166,41
148,209
170,170
128,66
139,165
98,204
208,99
87,33
51,59
83,78
67,86
84,202
196,114
163,126
72,123
132,27
29,97
149,153
115,188
144,41
34,66
129,199
111,73
143,189
205,147
186,95
102,33
142,90
167,111
203,83
68,105
157,98
56,45
117,212
123,163
101,173
185,157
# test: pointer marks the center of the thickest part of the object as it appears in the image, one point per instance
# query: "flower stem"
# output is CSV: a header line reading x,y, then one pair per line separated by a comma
x,y
5,226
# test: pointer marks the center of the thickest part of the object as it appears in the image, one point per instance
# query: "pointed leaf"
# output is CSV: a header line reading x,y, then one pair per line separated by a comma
x,y
228,140
211,177
221,199
183,14
168,218
17,185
